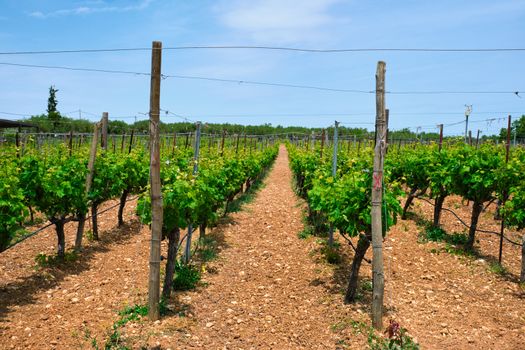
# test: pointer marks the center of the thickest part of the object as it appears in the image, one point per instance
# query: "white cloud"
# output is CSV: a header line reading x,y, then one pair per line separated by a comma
x,y
278,21
87,10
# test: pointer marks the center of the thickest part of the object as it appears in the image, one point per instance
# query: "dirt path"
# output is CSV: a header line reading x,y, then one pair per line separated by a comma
x,y
267,293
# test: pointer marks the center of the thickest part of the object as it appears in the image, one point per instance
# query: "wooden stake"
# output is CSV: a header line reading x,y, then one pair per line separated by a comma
x,y
104,138
70,143
522,276
502,228
322,143
122,144
477,139
377,194
89,181
440,137
174,143
131,140
156,194
222,142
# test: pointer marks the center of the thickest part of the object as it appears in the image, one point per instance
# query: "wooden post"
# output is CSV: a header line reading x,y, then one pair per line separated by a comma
x,y
187,143
522,276
104,138
17,144
187,252
131,140
237,145
477,139
174,143
244,147
440,137
89,181
322,143
156,194
470,137
123,140
377,194
334,173
502,203
222,142
70,143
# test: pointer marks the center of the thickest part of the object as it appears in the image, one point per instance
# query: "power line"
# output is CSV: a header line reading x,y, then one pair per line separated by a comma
x,y
73,68
252,82
268,48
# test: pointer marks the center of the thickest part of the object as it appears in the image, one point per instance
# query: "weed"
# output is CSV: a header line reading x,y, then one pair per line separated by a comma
x,y
367,286
305,233
43,260
186,277
435,234
89,235
397,338
208,252
497,268
331,255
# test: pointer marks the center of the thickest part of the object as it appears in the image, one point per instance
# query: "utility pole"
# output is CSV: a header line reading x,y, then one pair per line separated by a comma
x,y
468,111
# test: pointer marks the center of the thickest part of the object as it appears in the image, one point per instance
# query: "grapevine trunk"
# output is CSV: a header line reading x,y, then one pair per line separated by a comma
x,y
173,241
437,209
61,247
362,247
123,199
477,207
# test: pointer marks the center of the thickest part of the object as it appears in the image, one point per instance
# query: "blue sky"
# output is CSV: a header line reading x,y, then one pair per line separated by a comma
x,y
54,25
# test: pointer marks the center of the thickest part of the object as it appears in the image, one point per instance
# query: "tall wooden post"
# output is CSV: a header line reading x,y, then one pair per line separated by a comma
x,y
89,181
156,194
440,137
477,139
322,142
123,141
187,251
104,138
70,142
502,227
222,142
334,173
174,143
131,140
377,196
522,275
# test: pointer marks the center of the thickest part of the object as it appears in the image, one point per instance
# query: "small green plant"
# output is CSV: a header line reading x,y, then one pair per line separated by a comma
x,y
305,233
186,276
43,260
89,235
497,268
208,250
396,338
435,234
367,286
331,254
132,313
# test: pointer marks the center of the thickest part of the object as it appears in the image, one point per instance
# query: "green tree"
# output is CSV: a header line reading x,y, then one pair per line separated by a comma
x,y
52,113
